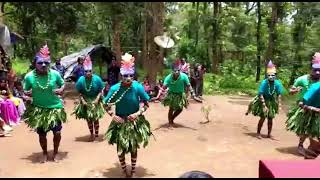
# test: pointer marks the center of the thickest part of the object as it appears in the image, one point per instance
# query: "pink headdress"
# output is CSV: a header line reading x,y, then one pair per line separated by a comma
x,y
87,64
43,54
127,65
316,60
271,68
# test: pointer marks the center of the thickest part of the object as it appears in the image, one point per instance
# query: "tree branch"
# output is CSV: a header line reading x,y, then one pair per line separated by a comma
x,y
252,6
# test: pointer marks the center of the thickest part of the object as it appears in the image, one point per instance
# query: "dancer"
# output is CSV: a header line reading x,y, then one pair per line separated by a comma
x,y
176,98
129,129
301,86
46,112
90,107
266,104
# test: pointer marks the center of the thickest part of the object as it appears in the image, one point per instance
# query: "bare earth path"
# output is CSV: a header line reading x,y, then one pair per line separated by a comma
x,y
224,148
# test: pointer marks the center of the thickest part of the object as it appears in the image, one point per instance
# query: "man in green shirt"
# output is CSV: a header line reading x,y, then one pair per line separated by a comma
x,y
90,107
301,86
176,98
46,112
129,129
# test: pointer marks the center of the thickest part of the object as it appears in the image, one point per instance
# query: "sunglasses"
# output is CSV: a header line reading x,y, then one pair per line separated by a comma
x,y
43,62
128,75
87,71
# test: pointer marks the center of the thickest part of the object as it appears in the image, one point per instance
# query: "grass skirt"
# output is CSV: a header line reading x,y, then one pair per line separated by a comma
x,y
303,123
45,118
176,101
129,135
90,112
256,108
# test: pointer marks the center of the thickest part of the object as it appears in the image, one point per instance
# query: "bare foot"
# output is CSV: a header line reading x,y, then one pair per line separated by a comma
x,y
258,136
91,138
56,158
174,125
44,158
269,136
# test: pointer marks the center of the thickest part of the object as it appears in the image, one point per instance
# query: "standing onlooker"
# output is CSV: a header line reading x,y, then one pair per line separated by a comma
x,y
113,73
11,76
59,67
78,70
199,72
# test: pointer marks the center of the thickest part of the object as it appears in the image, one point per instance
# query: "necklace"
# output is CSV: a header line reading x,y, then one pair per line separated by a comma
x,y
85,85
274,88
38,83
119,99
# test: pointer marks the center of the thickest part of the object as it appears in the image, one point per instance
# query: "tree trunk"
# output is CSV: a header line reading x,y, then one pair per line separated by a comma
x,y
272,34
197,24
155,20
298,39
2,12
215,34
116,29
65,45
259,44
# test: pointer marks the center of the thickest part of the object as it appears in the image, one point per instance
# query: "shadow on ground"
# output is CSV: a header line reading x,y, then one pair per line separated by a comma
x,y
116,172
86,138
289,150
35,157
166,125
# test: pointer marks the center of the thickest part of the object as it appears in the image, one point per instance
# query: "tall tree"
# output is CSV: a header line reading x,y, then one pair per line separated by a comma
x,y
259,46
153,56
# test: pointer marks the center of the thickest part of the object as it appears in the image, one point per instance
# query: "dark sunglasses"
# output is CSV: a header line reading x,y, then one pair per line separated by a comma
x,y
128,75
45,62
87,71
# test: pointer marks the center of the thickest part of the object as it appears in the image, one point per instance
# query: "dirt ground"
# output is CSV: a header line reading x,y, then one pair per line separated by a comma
x,y
225,147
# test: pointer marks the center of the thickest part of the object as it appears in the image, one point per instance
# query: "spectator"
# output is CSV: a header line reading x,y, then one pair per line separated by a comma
x,y
78,70
113,73
198,75
146,86
59,67
196,174
12,77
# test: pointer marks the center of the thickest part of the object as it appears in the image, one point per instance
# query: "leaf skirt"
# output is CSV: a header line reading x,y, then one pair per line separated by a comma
x,y
129,136
176,101
303,123
45,118
256,108
90,112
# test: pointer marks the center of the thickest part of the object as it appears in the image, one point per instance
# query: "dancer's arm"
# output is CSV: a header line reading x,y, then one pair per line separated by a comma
x,y
60,83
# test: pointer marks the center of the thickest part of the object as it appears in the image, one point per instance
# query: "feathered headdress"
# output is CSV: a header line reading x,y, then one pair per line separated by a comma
x,y
177,65
43,54
127,64
271,68
87,63
316,60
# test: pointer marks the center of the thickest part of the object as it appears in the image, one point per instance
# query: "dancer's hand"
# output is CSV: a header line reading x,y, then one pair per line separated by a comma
x,y
58,91
265,109
133,117
117,119
96,101
28,93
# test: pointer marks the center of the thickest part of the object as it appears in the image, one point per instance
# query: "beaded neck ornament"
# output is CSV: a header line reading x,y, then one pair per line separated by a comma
x,y
127,68
271,69
87,65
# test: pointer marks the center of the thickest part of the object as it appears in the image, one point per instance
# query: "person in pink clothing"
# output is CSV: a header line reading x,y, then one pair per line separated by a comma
x,y
8,110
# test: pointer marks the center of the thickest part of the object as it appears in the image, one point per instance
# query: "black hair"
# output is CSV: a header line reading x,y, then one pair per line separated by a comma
x,y
195,174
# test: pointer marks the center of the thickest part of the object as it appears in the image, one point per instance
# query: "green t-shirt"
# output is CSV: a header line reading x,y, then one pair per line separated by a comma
x,y
45,98
269,90
177,86
97,86
312,96
304,82
130,101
